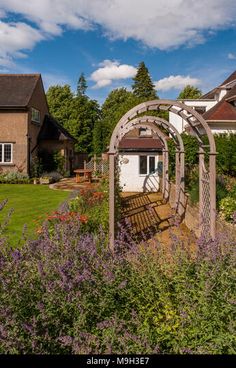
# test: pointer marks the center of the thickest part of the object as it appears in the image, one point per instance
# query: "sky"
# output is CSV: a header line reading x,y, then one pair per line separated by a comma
x,y
181,42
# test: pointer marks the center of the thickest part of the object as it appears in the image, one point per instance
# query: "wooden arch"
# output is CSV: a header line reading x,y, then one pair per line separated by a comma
x,y
207,175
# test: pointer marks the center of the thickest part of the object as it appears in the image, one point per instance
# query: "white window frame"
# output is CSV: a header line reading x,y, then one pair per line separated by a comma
x,y
33,118
148,166
3,154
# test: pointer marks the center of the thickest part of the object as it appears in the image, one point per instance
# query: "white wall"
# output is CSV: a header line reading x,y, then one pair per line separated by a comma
x,y
180,123
131,180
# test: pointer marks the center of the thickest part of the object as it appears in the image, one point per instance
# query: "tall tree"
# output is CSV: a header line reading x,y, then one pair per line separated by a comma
x,y
143,86
60,102
190,92
77,114
81,85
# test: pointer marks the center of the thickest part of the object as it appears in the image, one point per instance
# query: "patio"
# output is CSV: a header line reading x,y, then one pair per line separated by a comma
x,y
149,216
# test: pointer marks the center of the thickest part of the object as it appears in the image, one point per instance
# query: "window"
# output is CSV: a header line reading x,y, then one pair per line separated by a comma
x,y
143,165
146,165
200,109
151,164
35,115
5,153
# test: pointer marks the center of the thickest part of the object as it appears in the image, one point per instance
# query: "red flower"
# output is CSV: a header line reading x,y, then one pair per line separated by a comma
x,y
83,219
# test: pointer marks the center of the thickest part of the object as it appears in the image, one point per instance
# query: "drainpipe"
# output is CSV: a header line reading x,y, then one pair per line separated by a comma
x,y
28,153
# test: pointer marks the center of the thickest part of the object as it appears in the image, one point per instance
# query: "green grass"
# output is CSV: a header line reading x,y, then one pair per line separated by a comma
x,y
29,203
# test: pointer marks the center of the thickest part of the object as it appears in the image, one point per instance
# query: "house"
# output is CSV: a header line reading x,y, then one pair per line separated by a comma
x,y
26,128
140,161
218,108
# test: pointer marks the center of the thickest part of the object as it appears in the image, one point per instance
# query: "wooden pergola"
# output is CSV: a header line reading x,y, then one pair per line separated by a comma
x,y
207,173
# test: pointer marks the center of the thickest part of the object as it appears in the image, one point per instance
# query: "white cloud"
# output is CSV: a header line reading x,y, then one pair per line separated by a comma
x,y
175,82
161,24
231,56
14,39
111,70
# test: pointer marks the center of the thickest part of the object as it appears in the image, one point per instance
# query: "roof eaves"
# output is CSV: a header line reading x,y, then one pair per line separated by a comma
x,y
38,76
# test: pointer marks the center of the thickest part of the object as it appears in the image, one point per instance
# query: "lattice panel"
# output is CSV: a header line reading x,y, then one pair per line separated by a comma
x,y
99,166
206,203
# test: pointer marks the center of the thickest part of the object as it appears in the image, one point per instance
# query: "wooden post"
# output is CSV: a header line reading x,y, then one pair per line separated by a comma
x,y
201,164
212,176
84,164
95,162
112,201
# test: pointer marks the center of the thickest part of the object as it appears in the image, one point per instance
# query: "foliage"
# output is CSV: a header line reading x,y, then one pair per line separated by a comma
x,y
60,102
190,92
66,293
14,178
77,114
118,102
228,208
85,114
143,87
226,157
54,175
52,161
81,85
36,167
191,154
93,203
228,205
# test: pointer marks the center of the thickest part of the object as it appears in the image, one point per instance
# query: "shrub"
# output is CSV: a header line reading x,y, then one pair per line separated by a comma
x,y
54,175
94,204
14,178
67,293
228,208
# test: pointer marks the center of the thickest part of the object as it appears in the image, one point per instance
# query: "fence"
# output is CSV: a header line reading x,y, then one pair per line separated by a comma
x,y
99,166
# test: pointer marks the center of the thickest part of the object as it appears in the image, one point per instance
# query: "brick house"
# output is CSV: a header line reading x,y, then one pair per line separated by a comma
x,y
26,128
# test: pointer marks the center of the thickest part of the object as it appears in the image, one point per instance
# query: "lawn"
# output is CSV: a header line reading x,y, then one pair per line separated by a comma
x,y
29,203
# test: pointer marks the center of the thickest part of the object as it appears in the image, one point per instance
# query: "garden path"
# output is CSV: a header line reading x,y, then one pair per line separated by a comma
x,y
150,216
69,184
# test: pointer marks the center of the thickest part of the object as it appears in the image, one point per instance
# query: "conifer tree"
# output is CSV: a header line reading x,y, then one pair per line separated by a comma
x,y
143,86
82,85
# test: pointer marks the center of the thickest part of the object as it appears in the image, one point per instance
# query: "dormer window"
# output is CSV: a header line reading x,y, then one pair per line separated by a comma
x,y
144,132
35,115
200,109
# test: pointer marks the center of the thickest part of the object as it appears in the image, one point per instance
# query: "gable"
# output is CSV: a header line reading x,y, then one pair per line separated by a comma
x,y
16,89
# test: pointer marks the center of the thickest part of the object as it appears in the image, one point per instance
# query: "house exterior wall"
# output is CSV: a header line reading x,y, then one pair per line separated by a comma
x,y
39,102
130,178
216,127
179,122
14,129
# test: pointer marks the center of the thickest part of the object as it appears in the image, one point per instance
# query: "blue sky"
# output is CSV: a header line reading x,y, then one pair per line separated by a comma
x,y
181,42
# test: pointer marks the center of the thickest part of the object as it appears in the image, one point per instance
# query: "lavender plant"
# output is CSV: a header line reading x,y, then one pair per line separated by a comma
x,y
66,293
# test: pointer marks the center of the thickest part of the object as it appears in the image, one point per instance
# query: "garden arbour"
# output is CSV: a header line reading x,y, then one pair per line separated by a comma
x,y
207,158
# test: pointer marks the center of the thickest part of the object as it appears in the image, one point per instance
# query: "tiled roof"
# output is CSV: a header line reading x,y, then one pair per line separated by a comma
x,y
222,111
52,130
230,78
211,94
140,144
16,89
